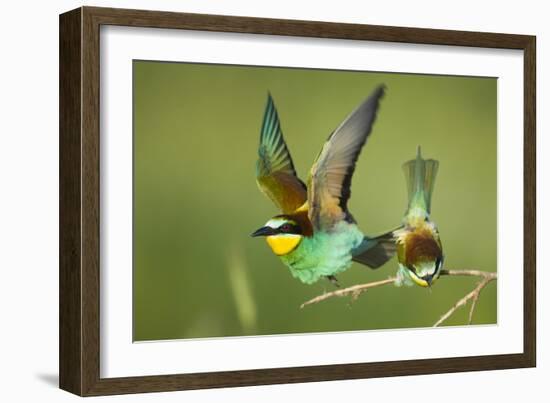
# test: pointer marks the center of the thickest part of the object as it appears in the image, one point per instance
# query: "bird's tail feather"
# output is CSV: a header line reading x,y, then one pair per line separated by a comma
x,y
374,252
420,175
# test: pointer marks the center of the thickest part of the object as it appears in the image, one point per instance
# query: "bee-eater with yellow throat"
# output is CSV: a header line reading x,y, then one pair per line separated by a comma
x,y
316,236
419,249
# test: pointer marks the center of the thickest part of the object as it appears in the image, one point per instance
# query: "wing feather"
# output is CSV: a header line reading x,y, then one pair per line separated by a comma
x,y
330,177
275,173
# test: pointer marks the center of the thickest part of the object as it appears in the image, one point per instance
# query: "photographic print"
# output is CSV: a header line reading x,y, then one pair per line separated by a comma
x,y
250,201
272,200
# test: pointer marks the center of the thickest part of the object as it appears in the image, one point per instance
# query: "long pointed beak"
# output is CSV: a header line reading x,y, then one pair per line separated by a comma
x,y
264,231
429,279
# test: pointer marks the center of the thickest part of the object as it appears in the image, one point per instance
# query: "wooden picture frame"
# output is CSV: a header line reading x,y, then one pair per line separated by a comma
x,y
79,278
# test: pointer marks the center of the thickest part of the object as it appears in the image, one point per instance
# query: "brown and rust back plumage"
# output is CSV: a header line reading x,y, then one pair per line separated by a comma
x,y
419,244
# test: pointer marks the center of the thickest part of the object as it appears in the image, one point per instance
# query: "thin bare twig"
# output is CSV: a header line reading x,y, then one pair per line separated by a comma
x,y
487,277
472,308
356,290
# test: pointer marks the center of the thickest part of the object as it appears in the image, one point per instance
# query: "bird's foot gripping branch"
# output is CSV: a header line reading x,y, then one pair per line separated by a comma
x,y
356,290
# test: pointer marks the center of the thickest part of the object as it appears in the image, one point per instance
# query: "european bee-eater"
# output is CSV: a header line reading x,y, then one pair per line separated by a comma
x,y
316,236
419,250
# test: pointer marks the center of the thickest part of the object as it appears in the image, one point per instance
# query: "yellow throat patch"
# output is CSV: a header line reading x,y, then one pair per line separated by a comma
x,y
419,281
282,244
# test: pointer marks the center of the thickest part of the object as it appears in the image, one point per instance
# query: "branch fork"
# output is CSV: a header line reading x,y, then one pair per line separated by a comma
x,y
356,290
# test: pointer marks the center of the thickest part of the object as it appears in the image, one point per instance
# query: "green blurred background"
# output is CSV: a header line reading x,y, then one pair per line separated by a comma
x,y
197,271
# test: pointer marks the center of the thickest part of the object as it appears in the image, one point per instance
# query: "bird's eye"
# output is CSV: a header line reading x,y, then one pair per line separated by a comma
x,y
285,228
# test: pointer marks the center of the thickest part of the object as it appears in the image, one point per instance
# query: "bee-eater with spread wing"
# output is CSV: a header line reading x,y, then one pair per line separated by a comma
x,y
316,236
419,250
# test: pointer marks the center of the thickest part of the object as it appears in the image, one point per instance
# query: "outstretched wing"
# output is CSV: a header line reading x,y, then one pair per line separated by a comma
x,y
330,177
275,173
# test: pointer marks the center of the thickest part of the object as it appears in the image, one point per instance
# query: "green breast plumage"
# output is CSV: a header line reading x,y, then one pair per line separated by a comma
x,y
324,253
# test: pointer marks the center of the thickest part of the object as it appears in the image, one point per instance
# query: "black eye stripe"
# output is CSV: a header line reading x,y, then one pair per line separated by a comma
x,y
289,228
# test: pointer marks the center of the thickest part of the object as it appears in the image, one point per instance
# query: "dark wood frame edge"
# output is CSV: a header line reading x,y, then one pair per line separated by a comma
x,y
79,201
